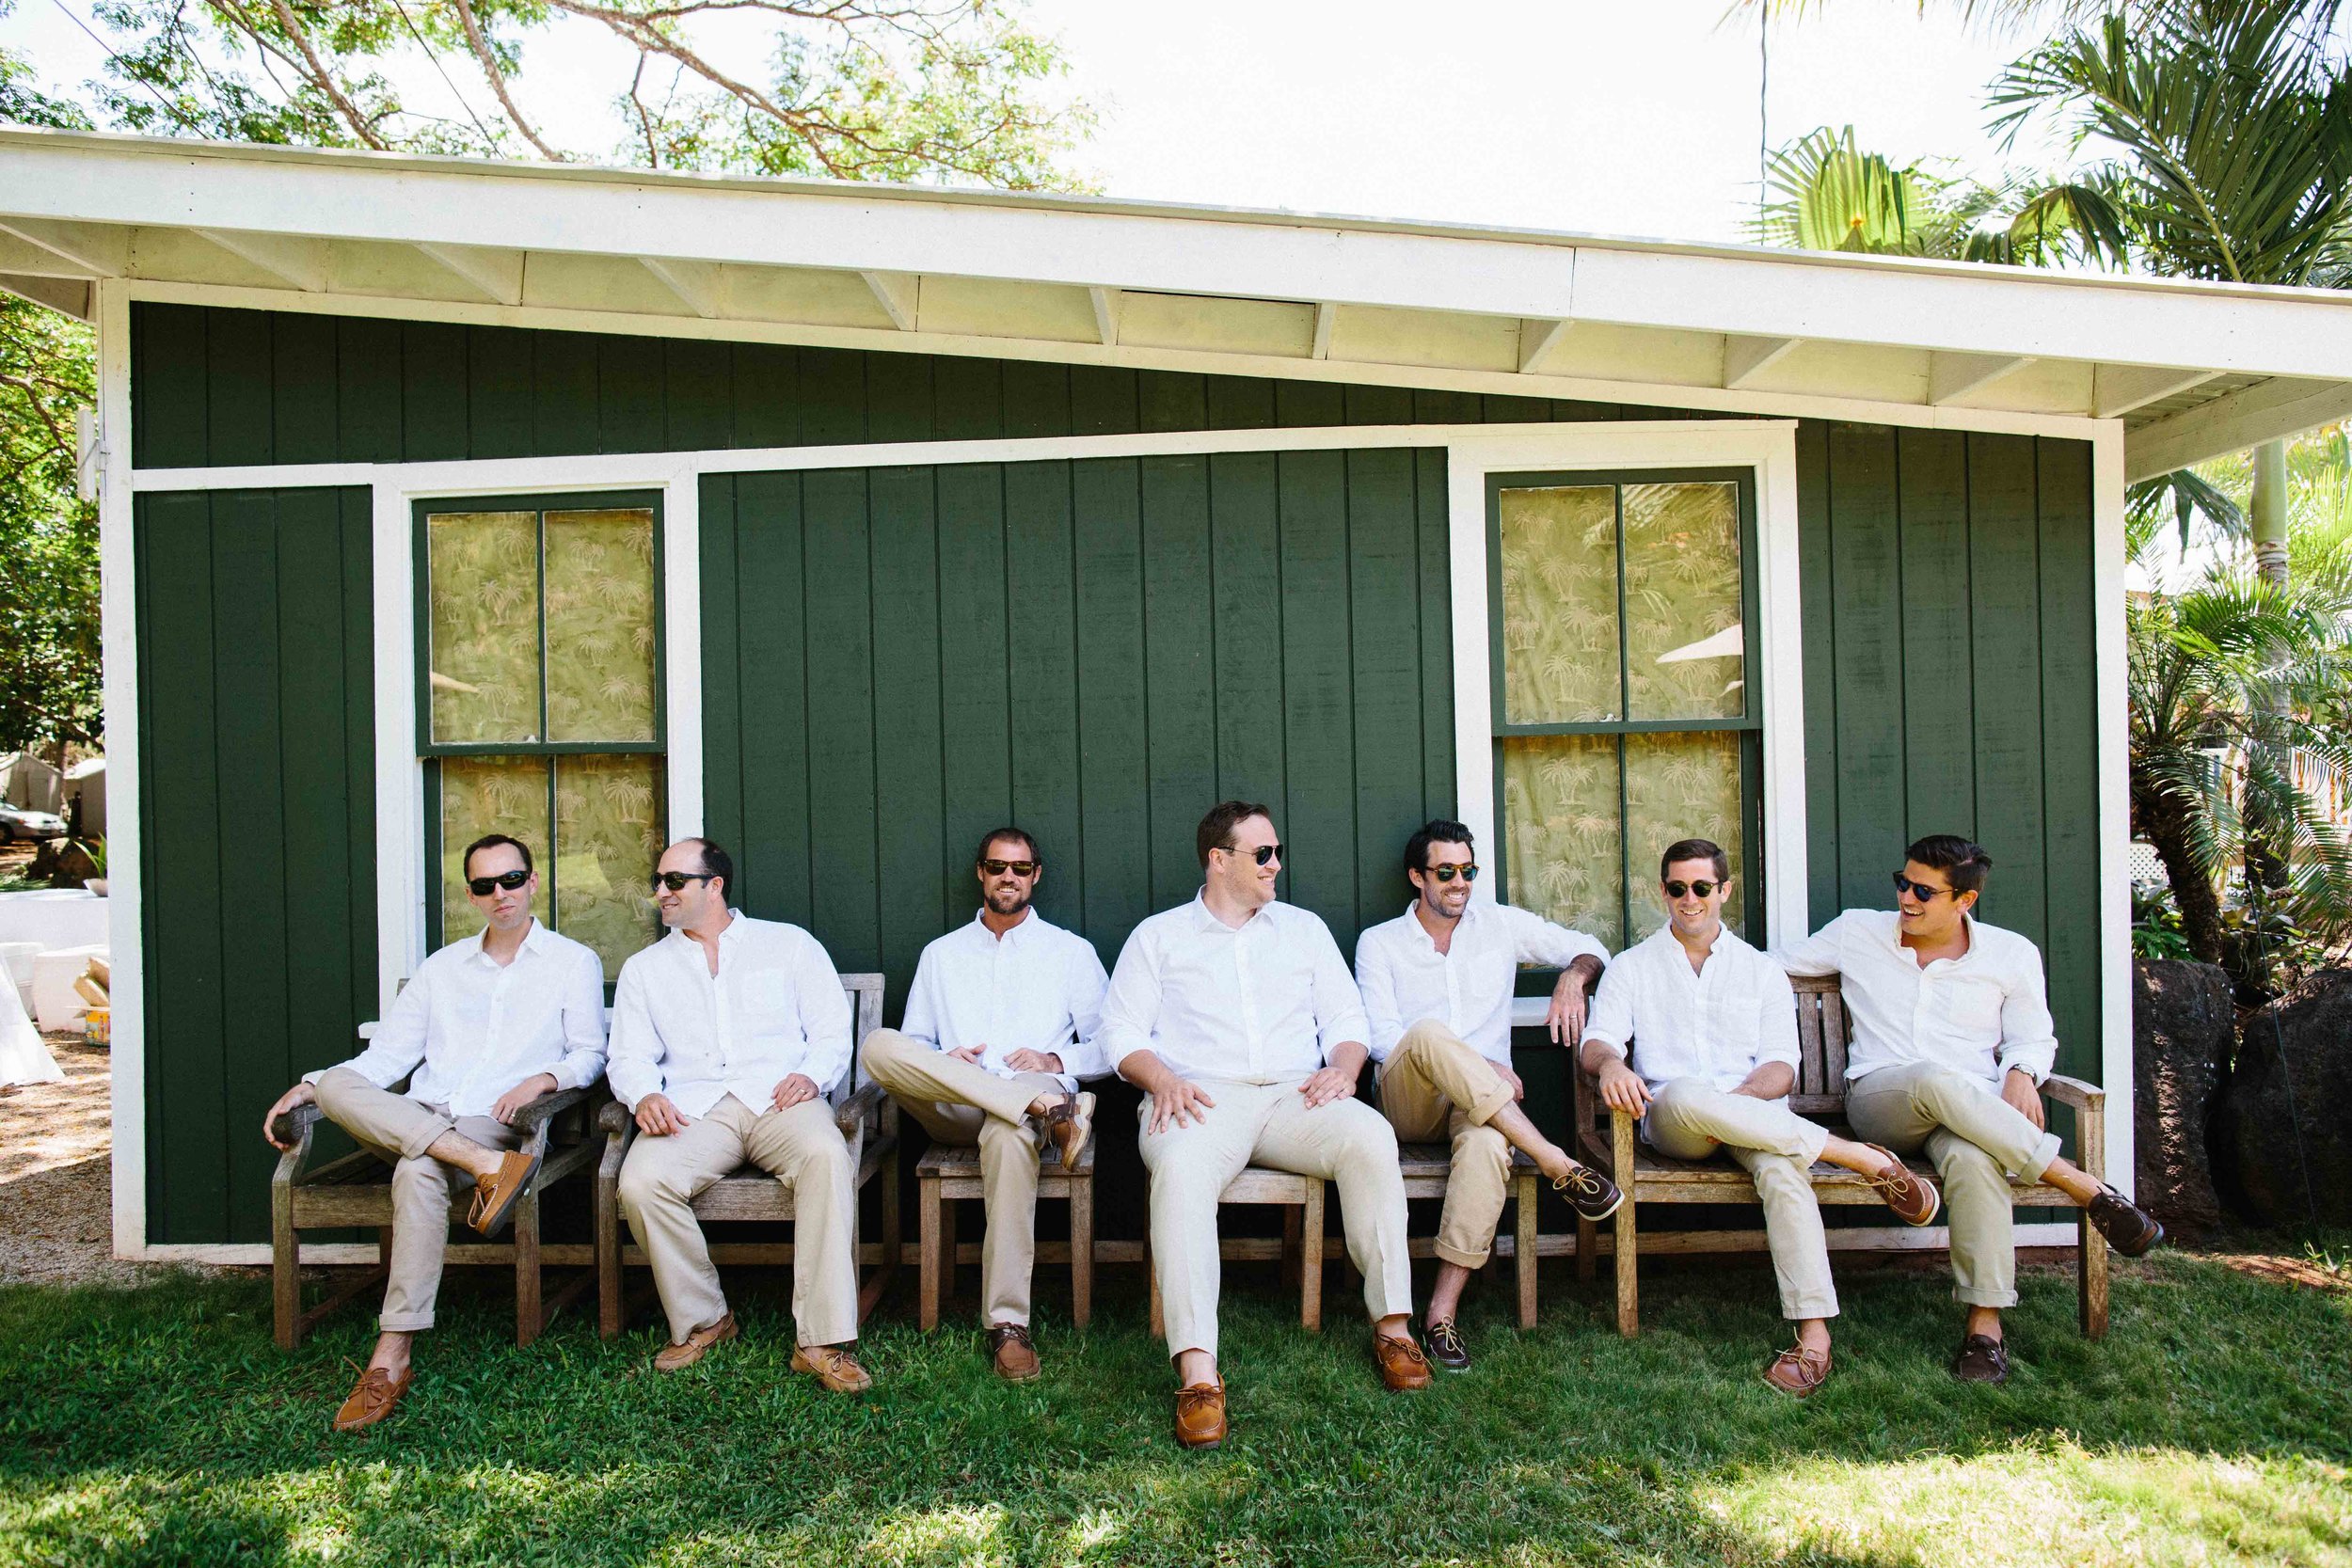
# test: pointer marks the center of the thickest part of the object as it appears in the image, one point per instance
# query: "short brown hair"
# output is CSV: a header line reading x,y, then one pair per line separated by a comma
x,y
1014,834
1216,829
1695,850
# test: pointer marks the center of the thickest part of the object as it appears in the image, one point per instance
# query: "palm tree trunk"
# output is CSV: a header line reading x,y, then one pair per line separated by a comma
x,y
2165,822
2268,517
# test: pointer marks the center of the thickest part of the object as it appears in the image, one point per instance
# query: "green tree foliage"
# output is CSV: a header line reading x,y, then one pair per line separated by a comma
x,y
1822,192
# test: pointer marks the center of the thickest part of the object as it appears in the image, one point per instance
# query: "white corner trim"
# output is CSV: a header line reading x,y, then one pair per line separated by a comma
x,y
399,790
126,824
1767,446
682,652
2113,718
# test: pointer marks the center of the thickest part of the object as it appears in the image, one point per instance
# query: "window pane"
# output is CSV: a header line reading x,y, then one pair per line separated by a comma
x,y
489,795
1682,786
1684,654
1558,604
1565,858
600,626
481,572
608,834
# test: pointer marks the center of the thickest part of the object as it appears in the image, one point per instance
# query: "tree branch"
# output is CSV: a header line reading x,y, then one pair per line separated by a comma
x,y
325,79
498,80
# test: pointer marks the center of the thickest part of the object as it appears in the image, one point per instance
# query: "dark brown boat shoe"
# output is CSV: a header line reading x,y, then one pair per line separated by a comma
x,y
1014,1353
496,1195
1593,1196
1911,1195
2129,1228
1981,1358
373,1397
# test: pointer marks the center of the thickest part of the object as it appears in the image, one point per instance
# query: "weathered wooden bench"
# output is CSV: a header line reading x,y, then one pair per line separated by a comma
x,y
950,1172
356,1192
1300,1247
1823,1028
868,1120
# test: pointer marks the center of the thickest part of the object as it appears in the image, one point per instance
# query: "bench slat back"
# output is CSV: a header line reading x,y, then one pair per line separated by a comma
x,y
1822,1030
865,991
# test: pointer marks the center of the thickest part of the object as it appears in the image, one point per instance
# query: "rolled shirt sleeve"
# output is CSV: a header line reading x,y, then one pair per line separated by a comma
x,y
1776,1023
1375,984
1084,981
1816,955
633,1070
1544,941
398,1045
1339,1006
1610,1025
583,1027
1131,1003
826,1019
2028,1035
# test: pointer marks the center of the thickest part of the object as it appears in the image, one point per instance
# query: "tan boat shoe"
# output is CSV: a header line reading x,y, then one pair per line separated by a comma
x,y
1797,1372
1201,1414
373,1397
1067,1125
833,1366
1911,1195
677,1357
1403,1366
1013,1351
495,1195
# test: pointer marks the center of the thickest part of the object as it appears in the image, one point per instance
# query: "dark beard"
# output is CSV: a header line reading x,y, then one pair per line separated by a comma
x,y
1005,903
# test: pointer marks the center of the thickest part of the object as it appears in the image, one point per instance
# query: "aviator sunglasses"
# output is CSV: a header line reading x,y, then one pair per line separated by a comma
x,y
1920,891
1019,869
1705,890
1261,854
1447,873
676,880
484,886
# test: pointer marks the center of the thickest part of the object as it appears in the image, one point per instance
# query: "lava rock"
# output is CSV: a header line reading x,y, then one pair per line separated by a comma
x,y
2183,1027
2287,1109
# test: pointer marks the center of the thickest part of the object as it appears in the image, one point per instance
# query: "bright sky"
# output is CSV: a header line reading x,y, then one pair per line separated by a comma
x,y
1553,113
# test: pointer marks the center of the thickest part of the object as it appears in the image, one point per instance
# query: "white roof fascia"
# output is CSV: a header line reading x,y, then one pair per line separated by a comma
x,y
2267,411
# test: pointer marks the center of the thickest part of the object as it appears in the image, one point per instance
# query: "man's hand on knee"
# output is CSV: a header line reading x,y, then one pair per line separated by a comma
x,y
657,1118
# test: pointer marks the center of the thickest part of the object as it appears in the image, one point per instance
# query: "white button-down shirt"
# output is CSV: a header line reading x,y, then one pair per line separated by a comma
x,y
470,1028
1717,1024
1982,1013
1261,1005
774,1008
1036,987
1468,986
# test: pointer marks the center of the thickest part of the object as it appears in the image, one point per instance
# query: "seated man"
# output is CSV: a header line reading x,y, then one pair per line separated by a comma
x,y
1436,983
1000,1025
1713,1023
1951,1041
486,1027
726,1035
1236,1017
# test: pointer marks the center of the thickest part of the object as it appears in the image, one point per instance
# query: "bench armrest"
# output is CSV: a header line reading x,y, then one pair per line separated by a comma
x,y
2089,1099
289,1126
614,1118
547,1108
860,1109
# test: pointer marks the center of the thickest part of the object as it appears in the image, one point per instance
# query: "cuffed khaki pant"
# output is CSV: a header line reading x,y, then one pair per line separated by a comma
x,y
1345,1142
1434,1084
1977,1141
800,1148
1691,1121
963,1103
401,1130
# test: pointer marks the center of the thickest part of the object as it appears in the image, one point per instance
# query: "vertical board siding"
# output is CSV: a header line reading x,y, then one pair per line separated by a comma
x,y
257,871
1097,651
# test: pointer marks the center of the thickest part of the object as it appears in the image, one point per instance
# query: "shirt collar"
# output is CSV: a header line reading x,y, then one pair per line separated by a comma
x,y
1895,940
1422,933
1020,933
477,949
735,924
1204,918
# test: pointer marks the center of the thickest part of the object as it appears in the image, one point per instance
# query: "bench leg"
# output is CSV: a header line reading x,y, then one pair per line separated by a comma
x,y
1628,1280
1311,1257
2091,1260
892,1222
1081,1250
926,1222
285,1270
1292,1220
609,1309
529,1316
1526,1244
948,1249
1587,1248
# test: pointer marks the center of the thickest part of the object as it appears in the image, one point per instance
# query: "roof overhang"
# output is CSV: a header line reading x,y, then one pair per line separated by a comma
x,y
2190,370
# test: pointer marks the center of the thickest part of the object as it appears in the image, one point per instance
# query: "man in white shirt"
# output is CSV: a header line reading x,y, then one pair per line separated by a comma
x,y
1000,1027
487,1026
727,1034
1237,1017
1951,1041
1437,982
1712,1024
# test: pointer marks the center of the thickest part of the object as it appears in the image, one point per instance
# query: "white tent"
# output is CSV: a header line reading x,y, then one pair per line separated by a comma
x,y
86,781
26,781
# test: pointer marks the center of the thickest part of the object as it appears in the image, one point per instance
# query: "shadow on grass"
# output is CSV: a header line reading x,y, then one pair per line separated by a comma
x,y
160,1425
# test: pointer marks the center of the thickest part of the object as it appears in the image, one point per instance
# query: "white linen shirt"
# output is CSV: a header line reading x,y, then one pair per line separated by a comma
x,y
469,1028
1982,1013
774,1008
1716,1024
1036,987
1466,988
1261,1005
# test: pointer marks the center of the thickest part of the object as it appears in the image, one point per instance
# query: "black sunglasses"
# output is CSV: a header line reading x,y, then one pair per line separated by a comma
x,y
1261,854
1019,869
484,886
1705,890
1920,891
1447,873
676,880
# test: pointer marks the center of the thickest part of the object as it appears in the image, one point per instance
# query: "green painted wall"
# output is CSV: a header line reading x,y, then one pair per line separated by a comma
x,y
896,659
258,859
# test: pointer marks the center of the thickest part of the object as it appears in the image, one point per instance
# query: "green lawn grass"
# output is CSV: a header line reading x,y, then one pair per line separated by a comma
x,y
2213,1425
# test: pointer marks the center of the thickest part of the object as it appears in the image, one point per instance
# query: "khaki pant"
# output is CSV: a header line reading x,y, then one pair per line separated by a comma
x,y
963,1103
1432,1084
1690,1120
1345,1142
401,1130
800,1148
1977,1141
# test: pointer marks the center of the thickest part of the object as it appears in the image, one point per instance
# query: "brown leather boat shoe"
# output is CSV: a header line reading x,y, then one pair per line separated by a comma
x,y
1797,1372
833,1366
1201,1414
676,1359
1014,1354
1067,1125
1911,1195
2129,1228
1593,1196
373,1397
494,1198
1981,1358
1403,1366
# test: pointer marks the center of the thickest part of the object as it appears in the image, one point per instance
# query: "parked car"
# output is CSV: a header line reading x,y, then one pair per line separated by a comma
x,y
22,822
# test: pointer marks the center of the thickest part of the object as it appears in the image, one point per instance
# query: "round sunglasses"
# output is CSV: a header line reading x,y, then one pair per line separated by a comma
x,y
1447,873
1705,890
1920,891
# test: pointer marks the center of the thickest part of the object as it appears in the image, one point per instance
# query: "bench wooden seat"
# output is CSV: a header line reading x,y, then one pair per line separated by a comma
x,y
868,1120
1300,1247
1426,1168
1611,1141
356,1192
950,1172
